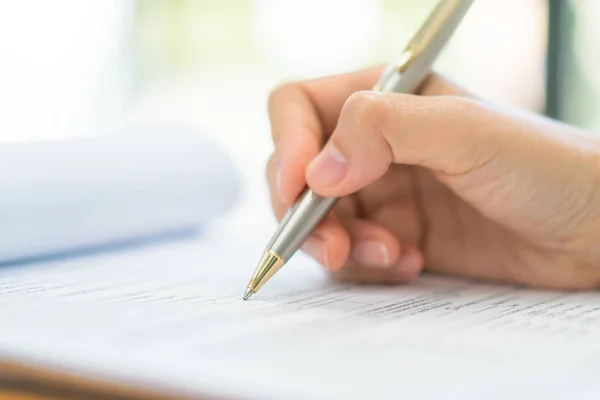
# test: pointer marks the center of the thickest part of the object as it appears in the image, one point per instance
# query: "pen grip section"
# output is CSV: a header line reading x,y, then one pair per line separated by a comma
x,y
299,222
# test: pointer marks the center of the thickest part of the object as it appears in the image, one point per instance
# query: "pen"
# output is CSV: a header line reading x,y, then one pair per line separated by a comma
x,y
401,76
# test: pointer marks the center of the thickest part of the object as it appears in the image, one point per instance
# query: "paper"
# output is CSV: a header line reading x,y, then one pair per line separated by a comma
x,y
172,317
77,193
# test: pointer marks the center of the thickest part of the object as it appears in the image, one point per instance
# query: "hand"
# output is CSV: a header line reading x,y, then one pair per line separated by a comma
x,y
442,181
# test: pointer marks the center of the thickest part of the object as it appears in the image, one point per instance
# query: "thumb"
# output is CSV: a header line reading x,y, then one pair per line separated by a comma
x,y
446,134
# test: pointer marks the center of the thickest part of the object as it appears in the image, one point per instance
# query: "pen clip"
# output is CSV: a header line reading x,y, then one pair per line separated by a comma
x,y
405,60
427,42
435,23
393,71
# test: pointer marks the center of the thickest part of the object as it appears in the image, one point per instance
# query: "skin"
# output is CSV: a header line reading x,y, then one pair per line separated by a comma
x,y
441,181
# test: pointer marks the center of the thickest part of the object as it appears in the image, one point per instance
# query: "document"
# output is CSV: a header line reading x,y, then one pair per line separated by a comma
x,y
170,317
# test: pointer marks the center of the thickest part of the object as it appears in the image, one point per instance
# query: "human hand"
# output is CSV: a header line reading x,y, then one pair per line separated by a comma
x,y
442,181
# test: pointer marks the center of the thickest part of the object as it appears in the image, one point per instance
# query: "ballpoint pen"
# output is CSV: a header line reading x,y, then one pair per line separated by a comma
x,y
401,76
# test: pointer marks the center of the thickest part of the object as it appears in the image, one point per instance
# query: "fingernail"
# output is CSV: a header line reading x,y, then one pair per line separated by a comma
x,y
329,168
371,253
407,265
315,246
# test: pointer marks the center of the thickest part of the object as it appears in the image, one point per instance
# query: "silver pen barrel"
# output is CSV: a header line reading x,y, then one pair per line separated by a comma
x,y
299,221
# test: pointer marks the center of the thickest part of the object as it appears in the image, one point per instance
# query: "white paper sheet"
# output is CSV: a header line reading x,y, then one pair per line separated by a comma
x,y
76,193
172,317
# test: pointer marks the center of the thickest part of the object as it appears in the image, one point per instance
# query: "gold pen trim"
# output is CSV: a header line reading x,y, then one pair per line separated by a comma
x,y
436,21
424,36
405,60
268,265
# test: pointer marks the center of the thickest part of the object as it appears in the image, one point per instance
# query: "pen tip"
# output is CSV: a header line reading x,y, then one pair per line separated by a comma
x,y
247,294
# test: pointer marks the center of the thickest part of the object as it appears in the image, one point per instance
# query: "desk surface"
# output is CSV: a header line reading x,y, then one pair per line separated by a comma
x,y
19,381
10,394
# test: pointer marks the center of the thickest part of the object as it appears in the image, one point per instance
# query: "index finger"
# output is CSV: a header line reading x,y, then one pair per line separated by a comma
x,y
303,115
